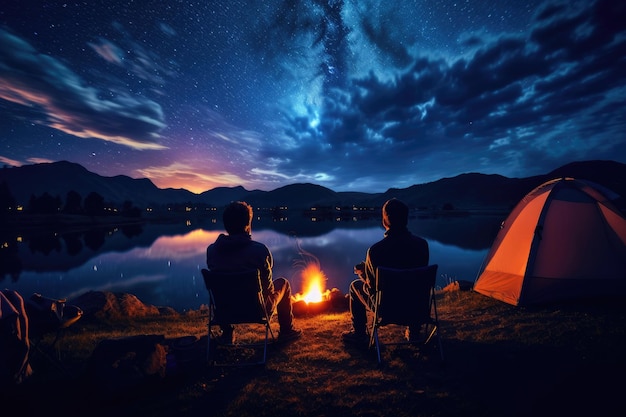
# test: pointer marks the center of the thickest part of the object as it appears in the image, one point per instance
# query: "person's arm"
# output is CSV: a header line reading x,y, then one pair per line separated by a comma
x,y
265,271
370,273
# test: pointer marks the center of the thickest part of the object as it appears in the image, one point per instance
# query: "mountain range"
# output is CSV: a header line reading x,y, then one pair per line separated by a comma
x,y
471,191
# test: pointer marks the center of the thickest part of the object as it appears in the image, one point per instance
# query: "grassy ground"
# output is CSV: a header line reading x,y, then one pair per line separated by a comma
x,y
500,361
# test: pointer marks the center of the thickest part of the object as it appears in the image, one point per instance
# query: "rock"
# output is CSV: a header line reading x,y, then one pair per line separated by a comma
x,y
115,306
119,364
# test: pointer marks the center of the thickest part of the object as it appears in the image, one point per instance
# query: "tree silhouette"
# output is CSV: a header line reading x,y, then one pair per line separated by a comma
x,y
45,204
10,262
73,243
94,238
94,204
73,202
45,243
7,201
128,210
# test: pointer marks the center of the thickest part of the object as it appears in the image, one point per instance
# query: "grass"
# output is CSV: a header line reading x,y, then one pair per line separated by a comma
x,y
500,361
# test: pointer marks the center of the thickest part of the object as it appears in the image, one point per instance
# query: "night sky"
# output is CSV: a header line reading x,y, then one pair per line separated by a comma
x,y
353,95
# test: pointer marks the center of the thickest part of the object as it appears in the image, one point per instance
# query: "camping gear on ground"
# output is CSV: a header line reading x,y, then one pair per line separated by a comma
x,y
565,240
406,297
14,339
50,314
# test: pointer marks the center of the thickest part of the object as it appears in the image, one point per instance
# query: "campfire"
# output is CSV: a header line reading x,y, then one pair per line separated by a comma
x,y
313,284
315,297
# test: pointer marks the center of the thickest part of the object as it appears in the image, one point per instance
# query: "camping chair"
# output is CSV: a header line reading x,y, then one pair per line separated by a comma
x,y
50,315
406,297
236,298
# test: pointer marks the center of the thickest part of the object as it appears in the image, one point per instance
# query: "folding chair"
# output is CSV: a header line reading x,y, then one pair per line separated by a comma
x,y
236,298
406,297
50,315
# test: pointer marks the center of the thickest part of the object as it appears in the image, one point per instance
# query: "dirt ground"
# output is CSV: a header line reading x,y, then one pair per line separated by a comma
x,y
499,361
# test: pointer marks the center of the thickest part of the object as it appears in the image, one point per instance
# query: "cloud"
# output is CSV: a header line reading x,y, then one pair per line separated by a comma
x,y
109,51
514,97
34,160
351,95
31,160
10,162
171,176
59,98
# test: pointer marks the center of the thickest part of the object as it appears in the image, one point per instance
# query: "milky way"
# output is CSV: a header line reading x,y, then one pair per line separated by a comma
x,y
351,95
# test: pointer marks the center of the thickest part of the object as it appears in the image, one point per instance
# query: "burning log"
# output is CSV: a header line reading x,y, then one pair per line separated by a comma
x,y
332,301
315,299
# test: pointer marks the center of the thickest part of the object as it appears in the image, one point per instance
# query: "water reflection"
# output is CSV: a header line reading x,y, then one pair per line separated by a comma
x,y
160,263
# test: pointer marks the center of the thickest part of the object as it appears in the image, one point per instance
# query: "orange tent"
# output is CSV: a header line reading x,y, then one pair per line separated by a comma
x,y
564,240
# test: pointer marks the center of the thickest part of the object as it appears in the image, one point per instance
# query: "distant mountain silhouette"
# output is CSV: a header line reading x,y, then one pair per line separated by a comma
x,y
222,195
471,191
301,196
58,178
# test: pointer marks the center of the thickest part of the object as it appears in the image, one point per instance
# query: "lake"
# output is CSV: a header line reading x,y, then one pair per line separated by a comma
x,y
161,263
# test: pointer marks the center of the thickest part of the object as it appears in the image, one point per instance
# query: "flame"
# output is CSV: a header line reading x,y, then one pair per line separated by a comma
x,y
313,285
313,279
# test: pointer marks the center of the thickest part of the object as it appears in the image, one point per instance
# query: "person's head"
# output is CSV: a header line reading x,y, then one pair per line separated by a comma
x,y
237,218
395,214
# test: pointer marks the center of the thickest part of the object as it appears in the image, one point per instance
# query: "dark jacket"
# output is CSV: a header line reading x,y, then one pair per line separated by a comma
x,y
398,249
240,252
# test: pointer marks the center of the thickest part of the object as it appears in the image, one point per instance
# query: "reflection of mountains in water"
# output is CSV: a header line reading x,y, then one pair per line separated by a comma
x,y
47,250
305,227
466,232
44,250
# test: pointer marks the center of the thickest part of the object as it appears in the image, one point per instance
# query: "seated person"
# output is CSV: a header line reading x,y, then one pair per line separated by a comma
x,y
237,251
399,248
